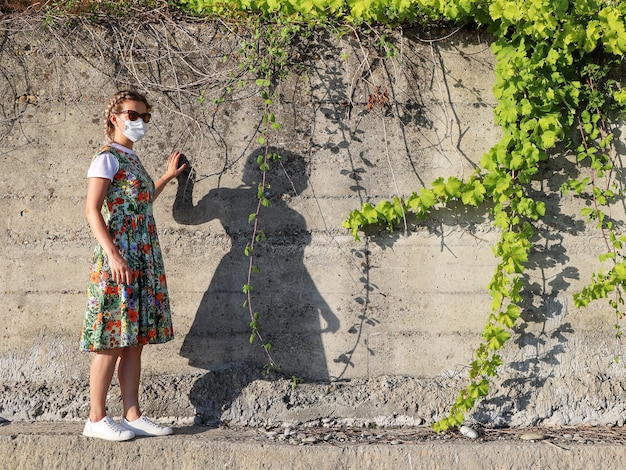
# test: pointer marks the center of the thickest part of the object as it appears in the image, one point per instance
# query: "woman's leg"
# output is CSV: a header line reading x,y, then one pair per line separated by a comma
x,y
100,376
129,373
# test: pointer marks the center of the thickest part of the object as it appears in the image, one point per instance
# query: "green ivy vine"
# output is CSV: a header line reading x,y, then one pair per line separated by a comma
x,y
554,66
265,56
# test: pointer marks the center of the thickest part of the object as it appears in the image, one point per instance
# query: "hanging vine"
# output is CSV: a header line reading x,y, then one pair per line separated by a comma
x,y
266,57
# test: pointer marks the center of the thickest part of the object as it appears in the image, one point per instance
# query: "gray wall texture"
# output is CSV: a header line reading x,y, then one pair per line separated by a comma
x,y
379,330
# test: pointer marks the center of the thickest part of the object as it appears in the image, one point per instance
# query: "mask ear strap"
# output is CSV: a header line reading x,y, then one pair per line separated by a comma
x,y
116,121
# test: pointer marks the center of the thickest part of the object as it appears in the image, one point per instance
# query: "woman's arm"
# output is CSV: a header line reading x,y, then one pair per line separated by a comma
x,y
96,192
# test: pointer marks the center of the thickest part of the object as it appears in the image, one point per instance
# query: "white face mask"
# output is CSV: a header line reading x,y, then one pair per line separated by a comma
x,y
135,130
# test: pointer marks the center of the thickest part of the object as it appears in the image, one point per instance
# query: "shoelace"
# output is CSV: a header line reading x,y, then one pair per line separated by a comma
x,y
113,426
151,423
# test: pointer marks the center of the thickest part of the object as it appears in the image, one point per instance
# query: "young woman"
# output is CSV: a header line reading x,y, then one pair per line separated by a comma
x,y
128,304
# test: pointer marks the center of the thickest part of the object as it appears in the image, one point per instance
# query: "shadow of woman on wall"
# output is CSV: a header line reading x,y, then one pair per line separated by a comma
x,y
293,315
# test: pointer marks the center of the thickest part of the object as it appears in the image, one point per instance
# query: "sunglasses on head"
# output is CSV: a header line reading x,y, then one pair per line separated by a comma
x,y
134,115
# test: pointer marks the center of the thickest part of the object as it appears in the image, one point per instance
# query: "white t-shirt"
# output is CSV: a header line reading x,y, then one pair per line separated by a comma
x,y
106,165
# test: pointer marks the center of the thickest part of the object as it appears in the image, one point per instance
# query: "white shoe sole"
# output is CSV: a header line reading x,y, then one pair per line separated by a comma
x,y
107,437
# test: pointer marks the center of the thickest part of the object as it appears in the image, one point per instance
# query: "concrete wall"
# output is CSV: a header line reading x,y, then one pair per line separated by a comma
x,y
380,329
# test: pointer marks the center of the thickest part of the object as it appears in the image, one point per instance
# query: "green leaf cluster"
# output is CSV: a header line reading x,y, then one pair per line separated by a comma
x,y
553,62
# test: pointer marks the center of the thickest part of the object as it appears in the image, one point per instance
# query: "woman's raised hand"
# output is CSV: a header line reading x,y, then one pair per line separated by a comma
x,y
176,164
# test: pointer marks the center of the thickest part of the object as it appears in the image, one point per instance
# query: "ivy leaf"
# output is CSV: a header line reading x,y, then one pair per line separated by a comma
x,y
620,97
548,139
483,387
389,213
526,107
495,336
496,11
592,35
515,259
614,33
619,271
370,213
447,190
553,57
540,208
473,193
439,187
517,161
427,198
510,316
413,202
453,187
506,112
497,297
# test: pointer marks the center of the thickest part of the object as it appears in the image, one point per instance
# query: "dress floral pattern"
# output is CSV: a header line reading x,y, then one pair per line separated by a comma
x,y
121,315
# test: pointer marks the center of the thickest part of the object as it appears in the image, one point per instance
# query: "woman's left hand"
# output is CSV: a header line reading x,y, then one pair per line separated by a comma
x,y
174,168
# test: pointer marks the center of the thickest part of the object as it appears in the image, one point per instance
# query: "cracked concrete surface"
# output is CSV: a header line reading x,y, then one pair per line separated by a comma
x,y
379,330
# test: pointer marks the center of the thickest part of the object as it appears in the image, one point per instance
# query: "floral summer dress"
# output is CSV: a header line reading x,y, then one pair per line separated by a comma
x,y
121,315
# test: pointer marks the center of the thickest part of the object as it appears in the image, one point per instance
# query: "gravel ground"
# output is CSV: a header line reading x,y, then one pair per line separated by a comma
x,y
35,445
561,436
328,435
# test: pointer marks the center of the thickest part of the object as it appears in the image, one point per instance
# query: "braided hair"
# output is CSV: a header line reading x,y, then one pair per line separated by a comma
x,y
114,105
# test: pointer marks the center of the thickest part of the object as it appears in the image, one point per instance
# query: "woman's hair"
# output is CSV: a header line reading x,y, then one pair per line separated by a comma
x,y
114,105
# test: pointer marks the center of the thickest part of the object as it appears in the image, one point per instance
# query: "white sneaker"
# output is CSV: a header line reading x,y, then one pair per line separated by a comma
x,y
144,427
107,429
